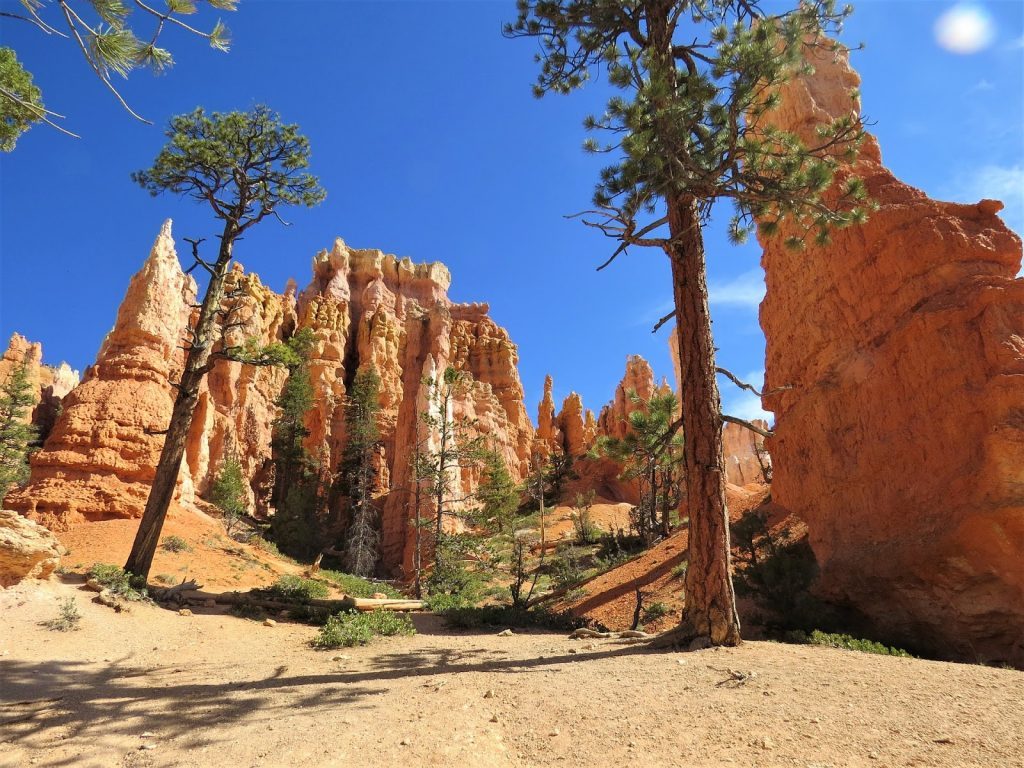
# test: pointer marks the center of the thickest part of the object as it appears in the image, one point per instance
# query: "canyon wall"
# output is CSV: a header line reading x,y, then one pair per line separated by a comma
x,y
901,442
367,308
364,308
49,383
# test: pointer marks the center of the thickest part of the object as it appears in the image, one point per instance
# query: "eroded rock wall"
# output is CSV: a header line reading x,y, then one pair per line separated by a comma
x,y
901,442
49,383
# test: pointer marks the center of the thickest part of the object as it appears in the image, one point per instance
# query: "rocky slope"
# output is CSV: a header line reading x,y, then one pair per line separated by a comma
x,y
901,443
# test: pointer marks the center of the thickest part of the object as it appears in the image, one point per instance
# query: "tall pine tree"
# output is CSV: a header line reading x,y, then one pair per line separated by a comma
x,y
358,473
16,434
696,79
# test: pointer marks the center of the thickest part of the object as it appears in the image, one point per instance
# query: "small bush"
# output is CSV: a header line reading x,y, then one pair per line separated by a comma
x,y
850,643
228,493
566,570
508,616
655,611
175,544
297,589
351,628
68,617
118,581
679,572
356,586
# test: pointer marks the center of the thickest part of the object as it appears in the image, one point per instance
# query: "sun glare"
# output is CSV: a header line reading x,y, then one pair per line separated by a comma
x,y
965,28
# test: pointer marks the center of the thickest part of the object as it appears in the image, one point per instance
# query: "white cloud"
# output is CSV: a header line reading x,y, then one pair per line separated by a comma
x,y
982,85
995,182
744,290
965,28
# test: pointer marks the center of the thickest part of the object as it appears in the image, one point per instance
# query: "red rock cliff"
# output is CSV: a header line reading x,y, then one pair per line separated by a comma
x,y
902,441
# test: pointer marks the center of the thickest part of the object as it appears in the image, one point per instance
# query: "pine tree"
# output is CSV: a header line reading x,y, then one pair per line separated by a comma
x,y
20,100
697,79
497,494
16,435
245,166
651,454
358,473
227,492
111,40
450,448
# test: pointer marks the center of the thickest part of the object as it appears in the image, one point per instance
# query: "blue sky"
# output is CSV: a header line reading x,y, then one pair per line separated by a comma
x,y
430,144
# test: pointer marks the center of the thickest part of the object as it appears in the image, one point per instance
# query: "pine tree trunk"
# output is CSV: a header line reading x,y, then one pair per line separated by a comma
x,y
710,610
162,491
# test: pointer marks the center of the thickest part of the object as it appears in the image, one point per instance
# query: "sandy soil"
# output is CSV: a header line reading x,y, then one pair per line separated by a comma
x,y
154,688
214,559
610,598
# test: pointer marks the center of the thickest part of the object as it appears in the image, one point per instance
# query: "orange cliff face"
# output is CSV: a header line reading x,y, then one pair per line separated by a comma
x,y
49,383
901,442
368,308
364,307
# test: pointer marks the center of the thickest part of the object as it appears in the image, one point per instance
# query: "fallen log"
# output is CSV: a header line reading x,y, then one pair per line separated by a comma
x,y
199,597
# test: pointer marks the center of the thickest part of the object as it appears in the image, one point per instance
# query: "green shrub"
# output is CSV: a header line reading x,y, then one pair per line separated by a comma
x,y
566,569
118,581
356,586
776,573
452,577
850,643
508,616
228,493
655,611
351,628
67,617
175,544
679,571
297,589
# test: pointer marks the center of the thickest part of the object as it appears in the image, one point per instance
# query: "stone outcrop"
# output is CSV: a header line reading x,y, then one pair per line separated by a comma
x,y
101,455
901,442
741,447
49,383
99,459
613,420
27,550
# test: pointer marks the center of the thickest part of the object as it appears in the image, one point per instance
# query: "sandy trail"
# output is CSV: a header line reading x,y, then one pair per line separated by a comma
x,y
215,690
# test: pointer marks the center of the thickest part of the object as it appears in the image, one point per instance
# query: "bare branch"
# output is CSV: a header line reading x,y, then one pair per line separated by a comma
x,y
748,425
743,385
665,319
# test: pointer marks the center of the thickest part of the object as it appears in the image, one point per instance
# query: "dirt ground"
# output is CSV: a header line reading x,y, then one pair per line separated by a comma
x,y
154,688
213,558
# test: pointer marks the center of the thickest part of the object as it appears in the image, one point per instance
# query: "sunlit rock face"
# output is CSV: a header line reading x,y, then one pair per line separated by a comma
x,y
49,384
367,308
364,308
901,441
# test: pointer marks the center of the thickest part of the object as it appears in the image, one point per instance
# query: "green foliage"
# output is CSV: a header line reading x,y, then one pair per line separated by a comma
x,y
16,398
497,494
849,643
113,41
450,576
679,571
697,80
356,586
175,544
586,531
68,616
118,581
776,572
21,102
294,526
509,616
351,628
227,492
243,164
358,475
566,569
655,611
298,589
650,453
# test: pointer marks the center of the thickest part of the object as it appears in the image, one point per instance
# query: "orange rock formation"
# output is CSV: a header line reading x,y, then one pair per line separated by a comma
x,y
50,384
368,308
902,441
